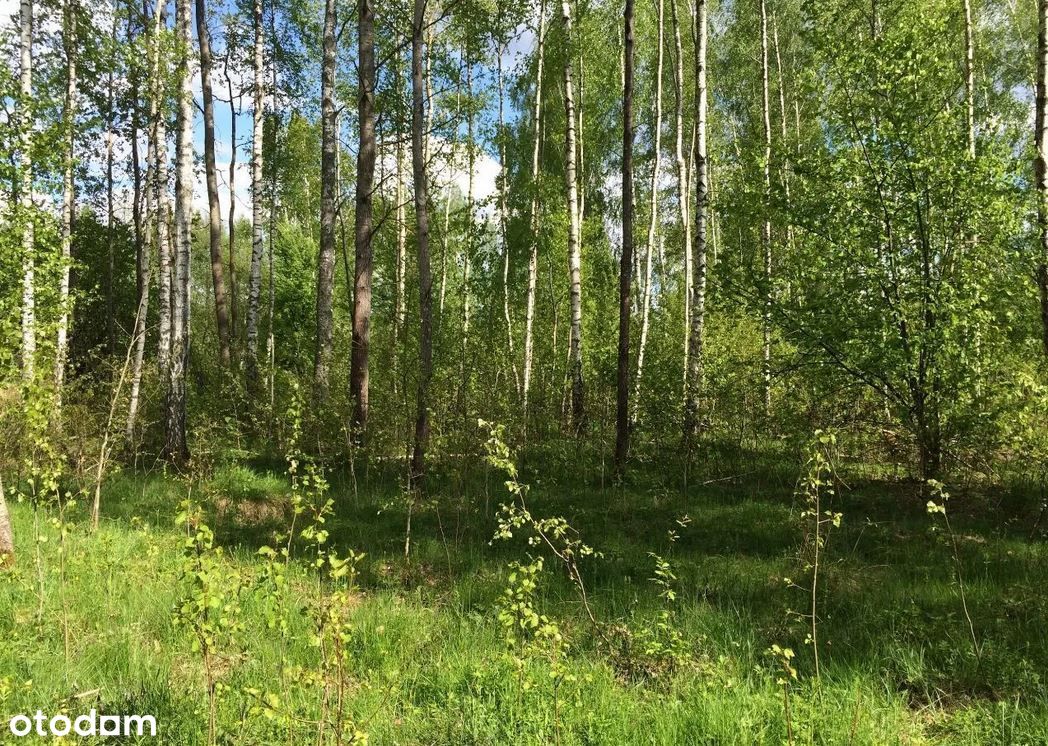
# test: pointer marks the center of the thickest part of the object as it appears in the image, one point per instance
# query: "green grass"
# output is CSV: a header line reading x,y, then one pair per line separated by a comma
x,y
427,657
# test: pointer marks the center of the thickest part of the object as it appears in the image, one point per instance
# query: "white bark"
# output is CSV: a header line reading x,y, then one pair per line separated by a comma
x,y
25,190
254,283
69,115
533,257
574,246
654,207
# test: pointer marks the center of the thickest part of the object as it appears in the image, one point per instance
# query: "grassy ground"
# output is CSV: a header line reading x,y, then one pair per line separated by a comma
x,y
427,662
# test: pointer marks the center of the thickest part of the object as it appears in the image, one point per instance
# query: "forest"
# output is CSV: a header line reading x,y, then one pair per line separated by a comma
x,y
524,372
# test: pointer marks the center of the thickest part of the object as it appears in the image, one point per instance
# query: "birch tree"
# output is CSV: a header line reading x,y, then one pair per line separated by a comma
x,y
1041,162
176,446
328,199
425,280
254,282
653,219
358,376
533,255
698,290
25,189
69,113
622,424
574,243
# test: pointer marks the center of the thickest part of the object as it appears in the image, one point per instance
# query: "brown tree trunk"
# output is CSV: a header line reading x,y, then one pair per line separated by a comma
x,y
358,377
622,415
211,177
418,160
328,198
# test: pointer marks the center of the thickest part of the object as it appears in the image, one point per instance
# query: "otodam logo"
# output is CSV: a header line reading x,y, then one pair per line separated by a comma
x,y
91,724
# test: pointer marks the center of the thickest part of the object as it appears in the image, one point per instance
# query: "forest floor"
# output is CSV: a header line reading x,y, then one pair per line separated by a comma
x,y
426,654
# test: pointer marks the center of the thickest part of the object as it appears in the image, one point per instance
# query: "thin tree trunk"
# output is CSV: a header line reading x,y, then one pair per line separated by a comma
x,y
698,294
574,248
176,447
766,224
25,190
234,315
654,217
110,211
1041,162
363,256
163,208
254,281
153,48
784,169
211,177
271,346
468,248
328,198
7,539
69,115
533,257
622,423
504,219
683,191
418,459
400,306
969,77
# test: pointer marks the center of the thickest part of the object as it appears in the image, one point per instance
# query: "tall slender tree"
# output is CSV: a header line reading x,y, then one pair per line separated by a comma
x,y
653,216
328,206
366,153
622,423
1041,162
211,177
254,281
683,182
766,222
574,240
698,288
69,113
425,279
176,446
533,255
25,189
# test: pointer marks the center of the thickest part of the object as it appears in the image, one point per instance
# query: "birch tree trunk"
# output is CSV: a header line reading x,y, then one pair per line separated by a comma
x,y
141,317
163,207
211,177
766,224
533,256
418,160
574,248
363,253
176,447
254,281
25,189
69,112
683,190
504,219
698,295
969,77
622,423
234,315
7,539
328,197
654,217
1041,162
